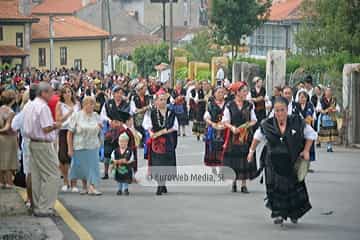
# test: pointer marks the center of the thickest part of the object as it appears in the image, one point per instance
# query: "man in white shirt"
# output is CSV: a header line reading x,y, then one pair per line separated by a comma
x,y
40,128
220,76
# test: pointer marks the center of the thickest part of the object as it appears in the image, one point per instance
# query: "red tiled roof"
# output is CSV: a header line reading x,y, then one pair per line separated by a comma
x,y
285,10
9,10
12,51
66,27
60,6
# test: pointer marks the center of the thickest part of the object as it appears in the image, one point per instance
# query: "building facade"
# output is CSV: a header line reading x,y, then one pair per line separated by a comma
x,y
278,32
273,36
15,33
77,44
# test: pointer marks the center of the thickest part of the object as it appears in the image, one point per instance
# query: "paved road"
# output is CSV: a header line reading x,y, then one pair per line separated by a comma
x,y
216,213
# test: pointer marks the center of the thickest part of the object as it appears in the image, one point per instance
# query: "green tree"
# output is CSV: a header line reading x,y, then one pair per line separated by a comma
x,y
147,57
329,27
233,19
200,49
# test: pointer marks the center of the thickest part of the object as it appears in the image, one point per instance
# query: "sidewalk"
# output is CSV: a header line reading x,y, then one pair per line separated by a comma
x,y
17,223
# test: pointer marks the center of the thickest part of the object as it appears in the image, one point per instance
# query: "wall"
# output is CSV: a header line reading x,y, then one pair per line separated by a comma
x,y
9,33
89,51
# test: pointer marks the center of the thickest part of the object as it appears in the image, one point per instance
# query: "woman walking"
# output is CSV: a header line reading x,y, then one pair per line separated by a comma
x,y
178,95
83,140
287,137
162,125
328,125
307,112
239,118
64,109
214,136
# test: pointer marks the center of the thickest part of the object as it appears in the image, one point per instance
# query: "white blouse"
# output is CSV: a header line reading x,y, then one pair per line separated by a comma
x,y
147,124
86,130
65,109
227,117
309,134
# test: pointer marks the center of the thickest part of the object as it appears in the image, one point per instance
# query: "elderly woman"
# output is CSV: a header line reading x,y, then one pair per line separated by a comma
x,y
287,137
328,108
64,109
83,140
8,139
239,118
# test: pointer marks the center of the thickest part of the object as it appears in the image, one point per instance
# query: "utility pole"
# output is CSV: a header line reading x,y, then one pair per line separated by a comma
x,y
111,37
171,45
164,20
51,37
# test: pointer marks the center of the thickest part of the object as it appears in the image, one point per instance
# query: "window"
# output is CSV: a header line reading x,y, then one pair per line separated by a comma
x,y
42,57
63,56
78,64
19,40
1,33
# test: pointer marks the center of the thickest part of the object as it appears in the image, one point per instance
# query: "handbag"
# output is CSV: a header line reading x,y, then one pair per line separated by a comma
x,y
301,168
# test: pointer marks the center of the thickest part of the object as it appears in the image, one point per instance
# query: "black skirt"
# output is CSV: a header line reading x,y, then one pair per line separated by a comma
x,y
236,158
214,148
163,166
286,196
63,148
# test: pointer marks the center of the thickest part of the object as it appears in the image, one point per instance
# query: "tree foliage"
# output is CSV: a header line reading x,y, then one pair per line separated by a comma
x,y
330,26
233,19
147,57
200,48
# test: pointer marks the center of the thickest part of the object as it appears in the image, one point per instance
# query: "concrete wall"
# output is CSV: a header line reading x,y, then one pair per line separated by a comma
x,y
89,51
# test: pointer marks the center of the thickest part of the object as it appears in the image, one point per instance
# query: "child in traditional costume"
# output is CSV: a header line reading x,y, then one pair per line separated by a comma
x,y
123,165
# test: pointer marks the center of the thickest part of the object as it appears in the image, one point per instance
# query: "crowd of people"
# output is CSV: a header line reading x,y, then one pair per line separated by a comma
x,y
63,123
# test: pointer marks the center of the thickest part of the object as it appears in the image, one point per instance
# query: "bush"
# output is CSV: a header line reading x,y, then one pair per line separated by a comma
x,y
203,75
181,73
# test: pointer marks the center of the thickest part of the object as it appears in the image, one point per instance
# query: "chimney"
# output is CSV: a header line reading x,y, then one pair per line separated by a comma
x,y
25,7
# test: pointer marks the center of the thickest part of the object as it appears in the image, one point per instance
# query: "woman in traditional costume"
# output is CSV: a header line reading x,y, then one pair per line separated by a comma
x,y
328,125
139,104
258,94
287,137
162,125
307,112
239,118
198,106
178,95
214,136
